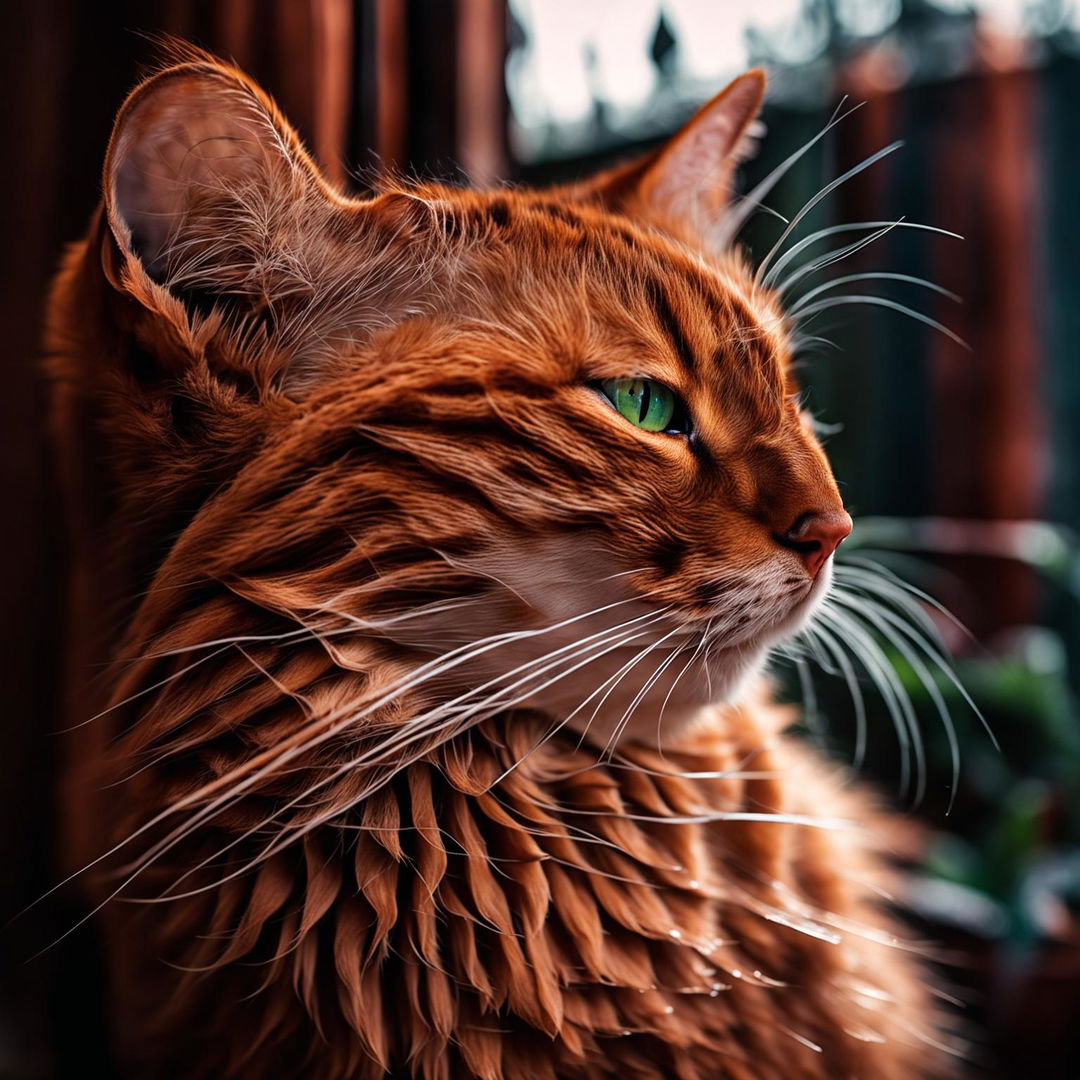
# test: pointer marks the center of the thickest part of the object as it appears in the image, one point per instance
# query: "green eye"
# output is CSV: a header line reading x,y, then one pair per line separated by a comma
x,y
647,404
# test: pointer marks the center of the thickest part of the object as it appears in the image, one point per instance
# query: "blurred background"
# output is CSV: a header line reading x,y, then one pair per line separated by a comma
x,y
962,467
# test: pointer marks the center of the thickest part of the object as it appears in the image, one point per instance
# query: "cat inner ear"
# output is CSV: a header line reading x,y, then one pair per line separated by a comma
x,y
222,228
686,185
207,187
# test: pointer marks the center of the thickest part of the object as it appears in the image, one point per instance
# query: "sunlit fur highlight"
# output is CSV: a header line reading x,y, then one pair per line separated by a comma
x,y
313,446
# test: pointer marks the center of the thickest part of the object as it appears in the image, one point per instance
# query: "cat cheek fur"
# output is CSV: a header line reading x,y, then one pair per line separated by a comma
x,y
407,736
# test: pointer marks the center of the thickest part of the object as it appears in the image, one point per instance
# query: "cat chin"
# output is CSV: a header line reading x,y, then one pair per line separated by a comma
x,y
636,680
736,672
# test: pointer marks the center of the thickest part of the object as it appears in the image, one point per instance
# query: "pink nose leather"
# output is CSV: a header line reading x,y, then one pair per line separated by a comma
x,y
816,536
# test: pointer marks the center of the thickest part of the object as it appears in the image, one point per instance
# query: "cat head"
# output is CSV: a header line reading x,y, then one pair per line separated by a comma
x,y
551,438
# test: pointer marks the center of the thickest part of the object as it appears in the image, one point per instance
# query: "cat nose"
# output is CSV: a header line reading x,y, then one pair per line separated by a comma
x,y
816,536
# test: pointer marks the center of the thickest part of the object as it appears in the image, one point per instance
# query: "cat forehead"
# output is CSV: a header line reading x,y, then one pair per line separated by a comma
x,y
525,236
700,312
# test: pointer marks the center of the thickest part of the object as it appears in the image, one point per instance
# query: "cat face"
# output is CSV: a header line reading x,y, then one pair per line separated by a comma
x,y
563,423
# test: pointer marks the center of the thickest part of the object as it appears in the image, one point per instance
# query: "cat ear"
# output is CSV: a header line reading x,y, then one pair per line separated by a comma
x,y
687,183
205,181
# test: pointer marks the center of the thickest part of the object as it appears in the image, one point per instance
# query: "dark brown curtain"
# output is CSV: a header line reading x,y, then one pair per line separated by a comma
x,y
414,85
984,433
990,423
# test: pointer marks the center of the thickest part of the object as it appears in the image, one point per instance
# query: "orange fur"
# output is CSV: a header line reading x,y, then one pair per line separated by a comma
x,y
313,445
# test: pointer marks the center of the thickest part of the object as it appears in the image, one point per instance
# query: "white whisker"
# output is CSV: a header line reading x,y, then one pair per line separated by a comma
x,y
889,626
736,216
836,651
406,738
883,228
873,275
876,663
881,301
814,200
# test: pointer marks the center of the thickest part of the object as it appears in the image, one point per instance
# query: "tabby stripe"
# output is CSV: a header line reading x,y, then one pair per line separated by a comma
x,y
526,459
669,323
499,213
703,455
668,554
559,213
